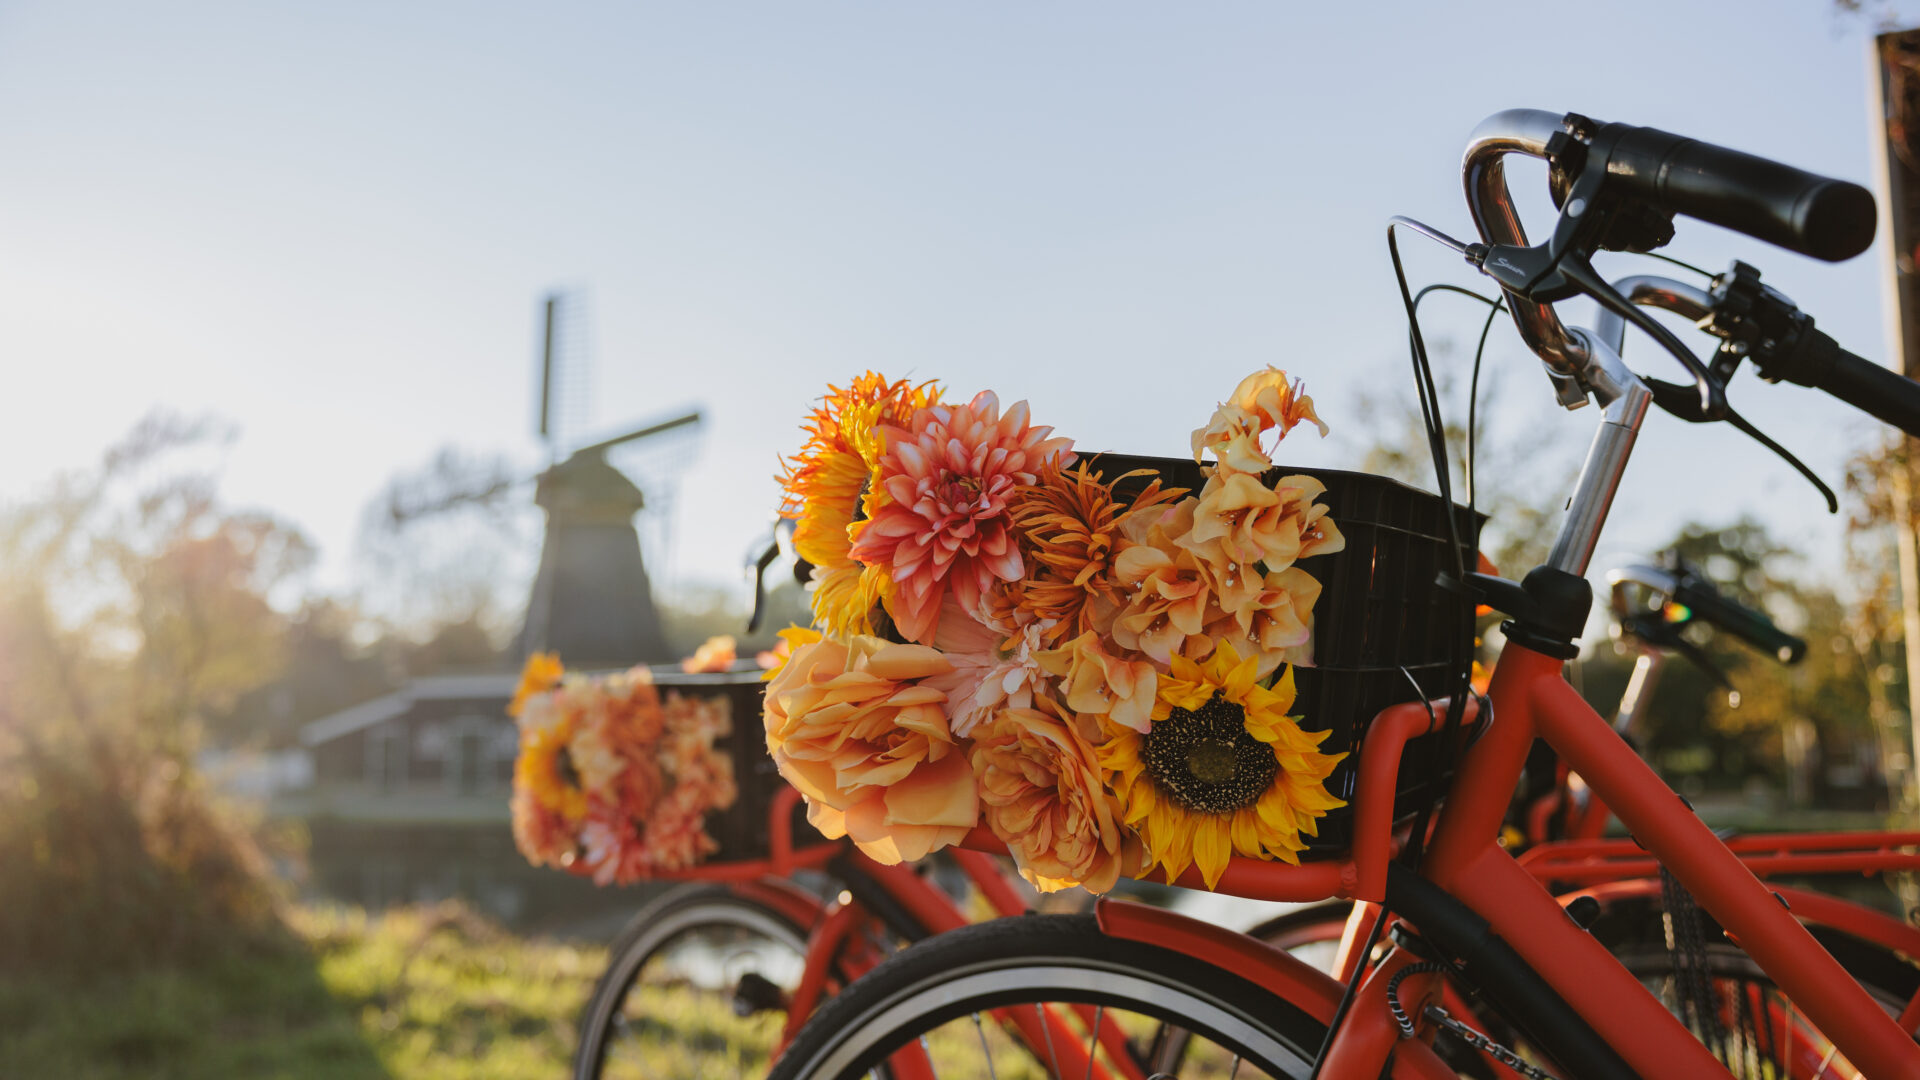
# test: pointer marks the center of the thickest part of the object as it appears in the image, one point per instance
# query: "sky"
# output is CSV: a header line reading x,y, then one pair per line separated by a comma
x,y
332,224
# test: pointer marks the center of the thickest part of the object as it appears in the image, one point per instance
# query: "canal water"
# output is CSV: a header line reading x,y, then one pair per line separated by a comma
x,y
379,866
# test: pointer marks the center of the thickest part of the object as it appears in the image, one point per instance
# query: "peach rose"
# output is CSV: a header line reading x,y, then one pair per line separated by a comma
x,y
853,728
1041,789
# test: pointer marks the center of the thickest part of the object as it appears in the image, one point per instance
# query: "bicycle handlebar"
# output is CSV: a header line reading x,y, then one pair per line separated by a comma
x,y
1806,355
1516,131
1815,215
1878,391
1705,602
1780,204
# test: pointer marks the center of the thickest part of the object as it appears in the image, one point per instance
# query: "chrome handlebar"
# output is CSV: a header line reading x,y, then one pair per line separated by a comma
x,y
1483,170
1622,580
1649,291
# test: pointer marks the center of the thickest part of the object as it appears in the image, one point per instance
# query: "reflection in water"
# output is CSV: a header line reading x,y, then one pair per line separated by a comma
x,y
378,866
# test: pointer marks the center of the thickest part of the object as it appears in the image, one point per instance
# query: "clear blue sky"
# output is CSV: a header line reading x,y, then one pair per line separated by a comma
x,y
332,222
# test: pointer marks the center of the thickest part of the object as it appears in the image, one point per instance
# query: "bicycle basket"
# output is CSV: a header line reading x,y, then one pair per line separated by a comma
x,y
1383,632
741,830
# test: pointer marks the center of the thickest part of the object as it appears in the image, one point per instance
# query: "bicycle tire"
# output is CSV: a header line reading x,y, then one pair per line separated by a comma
x,y
681,918
1039,960
1731,972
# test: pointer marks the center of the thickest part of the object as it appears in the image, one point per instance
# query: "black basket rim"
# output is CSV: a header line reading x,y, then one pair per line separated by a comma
x,y
1153,461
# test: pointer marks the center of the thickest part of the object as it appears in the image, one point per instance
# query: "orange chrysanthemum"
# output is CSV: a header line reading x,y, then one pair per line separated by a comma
x,y
1070,522
829,488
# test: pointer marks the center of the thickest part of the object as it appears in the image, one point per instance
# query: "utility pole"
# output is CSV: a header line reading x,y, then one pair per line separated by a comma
x,y
1895,110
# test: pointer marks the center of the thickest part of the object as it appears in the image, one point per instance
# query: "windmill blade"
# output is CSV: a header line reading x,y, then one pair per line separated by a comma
x,y
565,371
688,419
452,481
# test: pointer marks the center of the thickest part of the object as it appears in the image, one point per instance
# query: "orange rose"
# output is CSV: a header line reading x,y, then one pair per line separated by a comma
x,y
854,730
1041,790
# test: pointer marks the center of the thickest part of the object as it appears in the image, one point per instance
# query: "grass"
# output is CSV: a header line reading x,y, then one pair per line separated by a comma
x,y
432,994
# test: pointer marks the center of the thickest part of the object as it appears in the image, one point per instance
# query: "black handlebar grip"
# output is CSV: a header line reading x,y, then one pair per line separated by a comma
x,y
1867,386
1798,210
1756,629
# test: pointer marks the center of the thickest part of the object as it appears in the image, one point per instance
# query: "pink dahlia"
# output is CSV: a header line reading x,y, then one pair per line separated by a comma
x,y
945,524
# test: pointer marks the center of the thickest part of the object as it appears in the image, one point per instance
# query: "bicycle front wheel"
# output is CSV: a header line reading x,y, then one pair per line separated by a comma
x,y
694,988
1051,996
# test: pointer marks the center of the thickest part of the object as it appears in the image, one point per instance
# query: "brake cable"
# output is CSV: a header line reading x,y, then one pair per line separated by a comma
x,y
1675,400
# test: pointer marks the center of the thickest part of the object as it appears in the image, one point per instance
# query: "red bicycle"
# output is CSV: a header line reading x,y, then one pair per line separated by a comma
x,y
1463,930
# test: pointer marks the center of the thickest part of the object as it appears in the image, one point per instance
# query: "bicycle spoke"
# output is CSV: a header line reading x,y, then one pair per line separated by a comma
x,y
985,1050
1053,1062
1093,1040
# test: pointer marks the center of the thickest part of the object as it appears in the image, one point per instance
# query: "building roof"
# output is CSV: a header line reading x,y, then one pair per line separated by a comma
x,y
492,686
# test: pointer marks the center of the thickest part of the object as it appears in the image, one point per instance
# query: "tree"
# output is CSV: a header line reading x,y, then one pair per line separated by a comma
x,y
132,605
1783,723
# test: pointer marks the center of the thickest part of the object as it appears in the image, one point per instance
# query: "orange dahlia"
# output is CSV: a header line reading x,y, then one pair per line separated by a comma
x,y
826,484
949,475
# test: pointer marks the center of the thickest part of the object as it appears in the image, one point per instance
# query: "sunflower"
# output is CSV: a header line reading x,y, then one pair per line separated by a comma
x,y
1070,522
541,674
1223,769
829,489
546,773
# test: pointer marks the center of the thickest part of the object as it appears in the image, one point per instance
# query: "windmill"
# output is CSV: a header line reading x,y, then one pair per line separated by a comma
x,y
592,600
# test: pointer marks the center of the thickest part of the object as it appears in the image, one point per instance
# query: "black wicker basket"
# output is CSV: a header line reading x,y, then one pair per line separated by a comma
x,y
1383,632
741,829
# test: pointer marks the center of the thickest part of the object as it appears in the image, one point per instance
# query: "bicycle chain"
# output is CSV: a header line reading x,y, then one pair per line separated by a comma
x,y
1480,1042
1461,1031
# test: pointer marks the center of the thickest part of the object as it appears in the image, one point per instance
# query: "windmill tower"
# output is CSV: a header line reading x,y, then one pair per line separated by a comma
x,y
592,601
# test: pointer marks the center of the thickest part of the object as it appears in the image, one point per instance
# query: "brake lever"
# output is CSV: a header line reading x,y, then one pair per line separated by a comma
x,y
1713,396
1699,658
1676,400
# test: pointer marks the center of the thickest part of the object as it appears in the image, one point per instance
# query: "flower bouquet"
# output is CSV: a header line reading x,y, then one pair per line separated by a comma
x,y
614,779
1098,667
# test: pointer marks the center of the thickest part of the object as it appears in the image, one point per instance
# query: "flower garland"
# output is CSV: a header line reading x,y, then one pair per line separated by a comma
x,y
1004,638
613,781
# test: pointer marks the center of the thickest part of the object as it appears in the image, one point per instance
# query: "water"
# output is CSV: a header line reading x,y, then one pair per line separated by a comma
x,y
378,866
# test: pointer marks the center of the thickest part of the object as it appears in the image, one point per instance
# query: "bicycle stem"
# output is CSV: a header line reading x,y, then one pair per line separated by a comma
x,y
1625,399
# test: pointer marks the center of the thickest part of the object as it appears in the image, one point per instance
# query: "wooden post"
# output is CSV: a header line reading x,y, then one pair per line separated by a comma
x,y
1895,110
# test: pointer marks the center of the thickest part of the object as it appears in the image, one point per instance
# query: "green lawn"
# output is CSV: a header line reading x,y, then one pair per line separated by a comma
x,y
422,994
